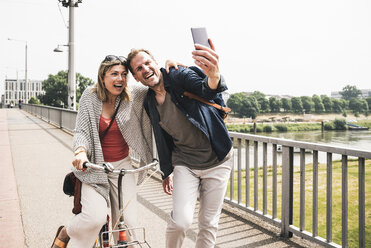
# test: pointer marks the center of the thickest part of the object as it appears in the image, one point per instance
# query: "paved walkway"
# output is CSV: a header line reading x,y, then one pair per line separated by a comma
x,y
35,156
11,232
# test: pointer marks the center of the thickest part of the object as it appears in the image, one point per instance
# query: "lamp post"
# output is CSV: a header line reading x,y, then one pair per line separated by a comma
x,y
71,52
25,76
58,49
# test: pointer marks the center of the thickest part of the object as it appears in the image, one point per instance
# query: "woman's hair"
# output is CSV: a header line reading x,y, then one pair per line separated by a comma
x,y
99,87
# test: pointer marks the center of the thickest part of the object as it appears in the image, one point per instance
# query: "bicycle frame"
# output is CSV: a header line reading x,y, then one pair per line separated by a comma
x,y
122,228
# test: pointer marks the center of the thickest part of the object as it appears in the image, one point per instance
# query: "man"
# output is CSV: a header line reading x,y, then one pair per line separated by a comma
x,y
193,144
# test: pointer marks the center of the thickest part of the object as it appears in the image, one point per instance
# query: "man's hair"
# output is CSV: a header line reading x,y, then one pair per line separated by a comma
x,y
134,52
99,87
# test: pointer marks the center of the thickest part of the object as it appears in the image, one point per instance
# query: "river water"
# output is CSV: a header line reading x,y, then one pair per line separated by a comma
x,y
348,139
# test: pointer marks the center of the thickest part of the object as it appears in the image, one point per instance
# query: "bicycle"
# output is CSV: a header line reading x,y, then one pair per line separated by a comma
x,y
103,239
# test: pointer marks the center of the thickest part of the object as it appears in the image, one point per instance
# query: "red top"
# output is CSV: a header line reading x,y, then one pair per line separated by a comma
x,y
114,145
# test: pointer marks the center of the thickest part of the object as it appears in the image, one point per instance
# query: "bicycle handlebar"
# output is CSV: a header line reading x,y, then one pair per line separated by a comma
x,y
108,167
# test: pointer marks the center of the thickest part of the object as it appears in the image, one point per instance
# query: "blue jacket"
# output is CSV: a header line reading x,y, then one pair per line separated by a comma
x,y
205,117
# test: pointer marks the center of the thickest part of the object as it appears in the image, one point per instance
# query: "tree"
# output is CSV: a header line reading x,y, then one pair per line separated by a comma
x,y
296,104
368,100
327,103
349,92
307,104
274,104
344,103
250,107
337,105
258,95
356,105
365,106
318,105
82,83
263,102
235,102
56,89
263,105
286,104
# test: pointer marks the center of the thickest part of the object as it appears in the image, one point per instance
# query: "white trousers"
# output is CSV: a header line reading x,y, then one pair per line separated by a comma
x,y
84,227
210,185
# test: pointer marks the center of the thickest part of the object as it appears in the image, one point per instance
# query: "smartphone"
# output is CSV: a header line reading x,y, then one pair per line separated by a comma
x,y
200,36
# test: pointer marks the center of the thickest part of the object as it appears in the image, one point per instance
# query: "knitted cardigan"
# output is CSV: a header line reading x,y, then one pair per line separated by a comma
x,y
133,123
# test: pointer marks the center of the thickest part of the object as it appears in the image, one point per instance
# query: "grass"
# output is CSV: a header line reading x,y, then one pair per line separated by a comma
x,y
246,128
364,123
336,198
288,127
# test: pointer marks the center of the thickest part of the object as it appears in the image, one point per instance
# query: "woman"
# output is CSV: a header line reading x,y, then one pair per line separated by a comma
x,y
130,129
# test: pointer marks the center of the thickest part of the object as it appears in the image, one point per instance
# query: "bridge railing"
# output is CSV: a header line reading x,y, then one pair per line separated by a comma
x,y
63,118
255,156
252,154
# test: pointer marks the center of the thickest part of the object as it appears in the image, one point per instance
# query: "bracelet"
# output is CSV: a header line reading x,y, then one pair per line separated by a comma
x,y
76,153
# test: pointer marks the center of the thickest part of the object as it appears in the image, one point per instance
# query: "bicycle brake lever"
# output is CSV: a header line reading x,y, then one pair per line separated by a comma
x,y
108,167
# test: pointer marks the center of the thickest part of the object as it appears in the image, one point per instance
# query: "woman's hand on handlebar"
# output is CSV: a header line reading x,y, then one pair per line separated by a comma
x,y
79,159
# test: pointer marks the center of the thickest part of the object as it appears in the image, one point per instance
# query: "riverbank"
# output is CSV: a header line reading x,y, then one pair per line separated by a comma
x,y
292,123
293,118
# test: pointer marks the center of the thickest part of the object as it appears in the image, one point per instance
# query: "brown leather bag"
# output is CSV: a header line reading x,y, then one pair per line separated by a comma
x,y
72,187
77,197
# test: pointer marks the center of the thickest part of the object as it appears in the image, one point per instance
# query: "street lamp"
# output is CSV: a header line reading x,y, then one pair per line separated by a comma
x,y
71,52
26,79
58,49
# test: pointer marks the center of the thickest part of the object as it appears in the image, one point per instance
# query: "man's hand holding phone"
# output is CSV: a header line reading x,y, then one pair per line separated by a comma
x,y
208,60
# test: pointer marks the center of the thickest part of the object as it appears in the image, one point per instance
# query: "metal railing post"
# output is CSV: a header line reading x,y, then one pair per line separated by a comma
x,y
361,203
287,190
60,119
344,197
329,199
247,172
315,195
256,176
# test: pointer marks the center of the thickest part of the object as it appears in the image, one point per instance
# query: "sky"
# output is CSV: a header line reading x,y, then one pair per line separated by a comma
x,y
278,47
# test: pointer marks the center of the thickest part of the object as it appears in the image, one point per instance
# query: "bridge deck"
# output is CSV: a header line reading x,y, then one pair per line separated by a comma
x,y
32,204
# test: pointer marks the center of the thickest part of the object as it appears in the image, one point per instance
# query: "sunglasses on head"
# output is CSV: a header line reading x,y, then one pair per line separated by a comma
x,y
110,58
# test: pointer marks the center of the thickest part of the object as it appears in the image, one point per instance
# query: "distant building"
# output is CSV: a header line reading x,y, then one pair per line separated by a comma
x,y
335,94
15,90
364,93
267,96
279,97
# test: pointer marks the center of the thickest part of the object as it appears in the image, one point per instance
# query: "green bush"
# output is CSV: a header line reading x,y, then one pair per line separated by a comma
x,y
245,130
239,128
34,100
267,128
281,127
340,124
329,126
